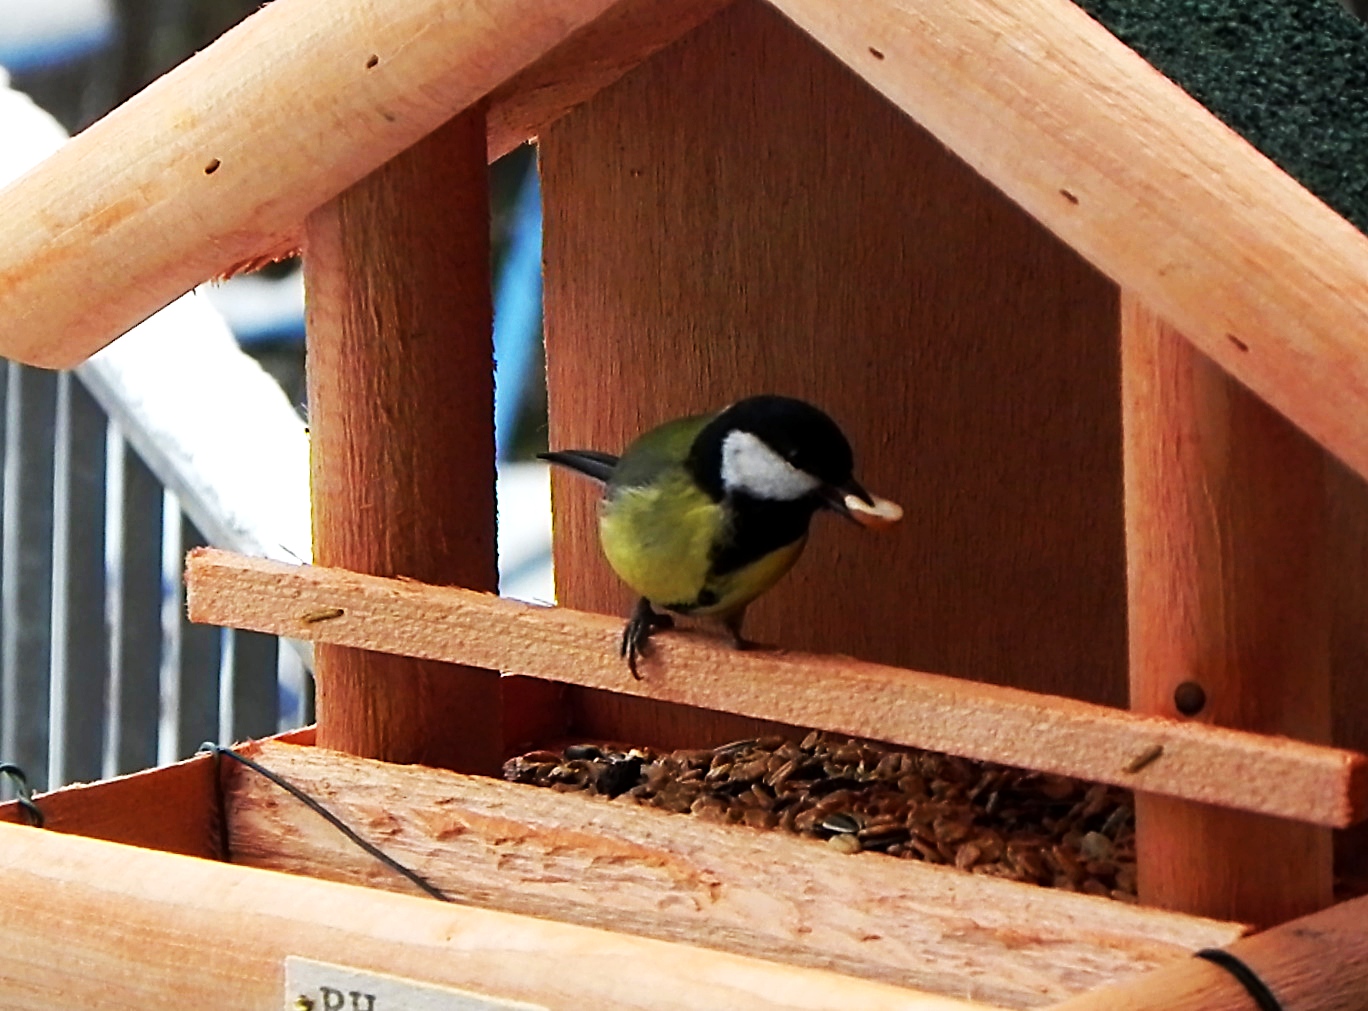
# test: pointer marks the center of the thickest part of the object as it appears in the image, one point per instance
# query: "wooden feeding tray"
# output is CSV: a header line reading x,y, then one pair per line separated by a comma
x,y
908,930
959,228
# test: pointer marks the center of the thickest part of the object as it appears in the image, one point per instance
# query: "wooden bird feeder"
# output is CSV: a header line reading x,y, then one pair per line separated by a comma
x,y
961,229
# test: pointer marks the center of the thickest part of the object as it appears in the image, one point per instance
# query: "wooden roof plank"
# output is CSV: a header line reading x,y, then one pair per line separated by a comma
x,y
218,162
1269,775
1142,180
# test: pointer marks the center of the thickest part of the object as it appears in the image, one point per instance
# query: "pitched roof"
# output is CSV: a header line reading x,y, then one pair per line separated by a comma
x,y
220,161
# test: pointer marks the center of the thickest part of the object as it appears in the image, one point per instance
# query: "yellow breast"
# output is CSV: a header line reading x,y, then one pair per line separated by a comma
x,y
659,540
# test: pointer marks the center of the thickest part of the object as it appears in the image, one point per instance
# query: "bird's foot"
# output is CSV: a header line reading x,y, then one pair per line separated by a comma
x,y
733,627
644,621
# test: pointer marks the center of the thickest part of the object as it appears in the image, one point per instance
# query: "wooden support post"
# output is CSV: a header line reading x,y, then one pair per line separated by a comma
x,y
401,414
1229,618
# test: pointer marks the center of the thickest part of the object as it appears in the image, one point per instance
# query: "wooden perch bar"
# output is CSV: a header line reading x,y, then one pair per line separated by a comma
x,y
1277,776
89,924
1316,963
614,865
217,163
1141,180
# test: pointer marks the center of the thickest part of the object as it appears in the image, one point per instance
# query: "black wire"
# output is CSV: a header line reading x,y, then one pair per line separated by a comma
x,y
1246,976
23,793
329,817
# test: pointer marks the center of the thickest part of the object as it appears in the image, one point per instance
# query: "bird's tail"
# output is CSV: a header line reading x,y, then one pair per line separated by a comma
x,y
588,462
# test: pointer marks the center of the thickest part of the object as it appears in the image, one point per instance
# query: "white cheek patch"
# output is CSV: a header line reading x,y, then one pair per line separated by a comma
x,y
749,466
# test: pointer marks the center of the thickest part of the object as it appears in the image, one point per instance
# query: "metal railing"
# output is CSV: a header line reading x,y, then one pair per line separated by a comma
x,y
110,475
169,438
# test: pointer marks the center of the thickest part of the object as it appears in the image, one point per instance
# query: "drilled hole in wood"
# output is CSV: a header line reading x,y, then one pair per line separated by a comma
x,y
373,62
1237,342
875,53
1068,196
1189,698
212,167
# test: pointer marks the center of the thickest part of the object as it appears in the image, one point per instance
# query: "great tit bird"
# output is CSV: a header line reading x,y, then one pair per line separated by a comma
x,y
703,514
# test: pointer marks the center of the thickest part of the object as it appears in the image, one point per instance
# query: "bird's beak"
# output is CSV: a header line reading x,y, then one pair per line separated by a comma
x,y
858,506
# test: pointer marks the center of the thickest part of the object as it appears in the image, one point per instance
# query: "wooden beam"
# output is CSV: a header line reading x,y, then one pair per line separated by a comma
x,y
1316,963
591,59
1229,614
641,871
95,924
1138,177
1287,778
401,413
218,162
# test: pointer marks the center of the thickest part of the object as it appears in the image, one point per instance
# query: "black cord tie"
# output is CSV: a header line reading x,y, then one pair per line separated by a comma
x,y
23,793
1246,977
219,750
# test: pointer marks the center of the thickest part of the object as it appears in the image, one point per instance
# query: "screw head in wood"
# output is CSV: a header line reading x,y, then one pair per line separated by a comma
x,y
1189,698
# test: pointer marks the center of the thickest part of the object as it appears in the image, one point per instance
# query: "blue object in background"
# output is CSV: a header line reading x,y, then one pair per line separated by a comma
x,y
39,34
517,312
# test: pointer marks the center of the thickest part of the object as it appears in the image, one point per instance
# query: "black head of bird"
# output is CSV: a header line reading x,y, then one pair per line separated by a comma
x,y
703,514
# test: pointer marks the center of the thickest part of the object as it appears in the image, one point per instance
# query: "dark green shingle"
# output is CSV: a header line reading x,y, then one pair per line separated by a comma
x,y
1290,76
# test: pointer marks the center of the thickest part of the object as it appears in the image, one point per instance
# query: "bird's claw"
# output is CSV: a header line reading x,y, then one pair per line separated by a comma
x,y
636,636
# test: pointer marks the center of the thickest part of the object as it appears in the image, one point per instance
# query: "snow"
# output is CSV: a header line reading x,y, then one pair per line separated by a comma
x,y
219,431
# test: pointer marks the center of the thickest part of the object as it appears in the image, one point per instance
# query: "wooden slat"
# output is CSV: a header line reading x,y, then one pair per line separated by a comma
x,y
614,865
1315,963
87,923
1139,178
244,139
1270,775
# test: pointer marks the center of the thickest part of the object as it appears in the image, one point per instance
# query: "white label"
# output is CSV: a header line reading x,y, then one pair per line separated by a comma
x,y
318,986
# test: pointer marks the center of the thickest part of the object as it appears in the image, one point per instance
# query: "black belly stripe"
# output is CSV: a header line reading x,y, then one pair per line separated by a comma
x,y
759,528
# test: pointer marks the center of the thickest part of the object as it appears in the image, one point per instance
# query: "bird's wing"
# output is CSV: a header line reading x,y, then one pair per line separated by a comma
x,y
588,462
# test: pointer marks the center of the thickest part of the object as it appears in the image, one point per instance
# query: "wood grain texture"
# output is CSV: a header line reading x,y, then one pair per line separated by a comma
x,y
295,104
1229,591
174,809
784,229
1316,963
589,60
401,413
1213,764
87,923
599,863
1138,177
